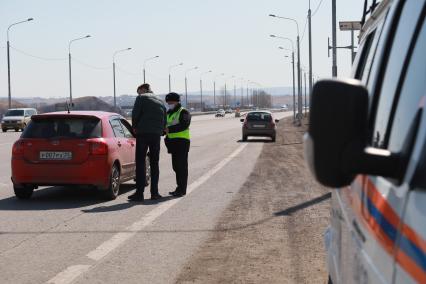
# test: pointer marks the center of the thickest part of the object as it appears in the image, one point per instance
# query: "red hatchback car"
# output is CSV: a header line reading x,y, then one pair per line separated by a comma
x,y
78,148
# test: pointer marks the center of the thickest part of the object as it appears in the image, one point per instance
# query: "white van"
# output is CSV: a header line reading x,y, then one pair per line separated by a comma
x,y
17,118
367,139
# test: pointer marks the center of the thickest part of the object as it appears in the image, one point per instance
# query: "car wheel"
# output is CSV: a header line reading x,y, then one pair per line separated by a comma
x,y
4,129
114,183
16,129
244,138
147,171
23,192
273,138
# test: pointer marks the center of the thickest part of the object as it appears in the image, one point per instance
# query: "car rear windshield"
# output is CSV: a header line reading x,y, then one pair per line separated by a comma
x,y
259,116
15,112
58,127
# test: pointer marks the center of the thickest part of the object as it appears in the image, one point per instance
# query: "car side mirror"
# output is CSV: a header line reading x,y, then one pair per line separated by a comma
x,y
242,119
336,142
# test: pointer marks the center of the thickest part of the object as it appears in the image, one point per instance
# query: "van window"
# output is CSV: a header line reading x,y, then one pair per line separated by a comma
x,y
394,68
412,96
15,112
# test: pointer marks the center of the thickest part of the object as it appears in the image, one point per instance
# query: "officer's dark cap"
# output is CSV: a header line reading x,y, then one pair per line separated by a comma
x,y
172,97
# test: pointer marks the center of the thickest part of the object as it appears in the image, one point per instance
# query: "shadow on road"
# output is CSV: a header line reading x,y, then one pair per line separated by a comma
x,y
123,206
257,140
58,197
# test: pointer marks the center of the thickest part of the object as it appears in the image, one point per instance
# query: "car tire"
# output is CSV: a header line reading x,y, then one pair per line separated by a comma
x,y
114,183
23,192
16,129
329,280
23,128
4,129
273,138
244,138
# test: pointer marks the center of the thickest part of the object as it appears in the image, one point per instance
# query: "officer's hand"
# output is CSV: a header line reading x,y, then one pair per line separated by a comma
x,y
166,130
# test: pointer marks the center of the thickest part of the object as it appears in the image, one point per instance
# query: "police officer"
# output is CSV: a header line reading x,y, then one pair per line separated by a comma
x,y
178,141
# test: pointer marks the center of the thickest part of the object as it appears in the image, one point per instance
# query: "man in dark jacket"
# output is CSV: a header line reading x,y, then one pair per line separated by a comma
x,y
178,141
149,121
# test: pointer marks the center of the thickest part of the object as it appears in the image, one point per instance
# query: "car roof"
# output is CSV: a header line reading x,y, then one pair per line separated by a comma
x,y
259,111
98,114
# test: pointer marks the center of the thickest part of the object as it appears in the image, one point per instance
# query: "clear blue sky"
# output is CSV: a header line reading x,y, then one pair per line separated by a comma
x,y
229,36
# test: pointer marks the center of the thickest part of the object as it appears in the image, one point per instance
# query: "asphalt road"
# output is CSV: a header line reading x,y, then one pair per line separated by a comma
x,y
71,235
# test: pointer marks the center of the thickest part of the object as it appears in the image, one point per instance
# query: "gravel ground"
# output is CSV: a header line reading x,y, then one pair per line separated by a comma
x,y
272,232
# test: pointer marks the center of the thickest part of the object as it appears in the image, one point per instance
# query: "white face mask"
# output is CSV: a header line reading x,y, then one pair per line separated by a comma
x,y
172,106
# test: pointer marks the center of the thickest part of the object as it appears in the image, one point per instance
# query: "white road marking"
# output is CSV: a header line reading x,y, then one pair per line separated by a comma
x,y
69,274
72,272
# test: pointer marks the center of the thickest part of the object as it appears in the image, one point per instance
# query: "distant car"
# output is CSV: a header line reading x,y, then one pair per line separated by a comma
x,y
259,123
229,110
220,113
17,118
94,149
284,107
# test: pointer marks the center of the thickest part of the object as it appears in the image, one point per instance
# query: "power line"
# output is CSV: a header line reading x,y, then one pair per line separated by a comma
x,y
89,65
316,10
36,56
127,72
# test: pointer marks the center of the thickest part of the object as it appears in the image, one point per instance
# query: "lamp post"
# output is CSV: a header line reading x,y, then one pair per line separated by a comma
x,y
294,79
214,88
242,93
8,59
201,89
69,62
224,101
170,76
299,97
144,66
186,83
113,71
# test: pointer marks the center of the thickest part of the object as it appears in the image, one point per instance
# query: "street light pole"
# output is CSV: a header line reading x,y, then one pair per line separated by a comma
x,y
334,40
69,63
186,84
144,66
214,88
201,89
113,71
298,65
170,76
8,60
224,103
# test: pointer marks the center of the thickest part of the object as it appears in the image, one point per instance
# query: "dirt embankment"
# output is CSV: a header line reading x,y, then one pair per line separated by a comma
x,y
273,230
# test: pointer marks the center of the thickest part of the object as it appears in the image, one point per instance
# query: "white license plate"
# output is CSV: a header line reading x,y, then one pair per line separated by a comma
x,y
259,125
55,156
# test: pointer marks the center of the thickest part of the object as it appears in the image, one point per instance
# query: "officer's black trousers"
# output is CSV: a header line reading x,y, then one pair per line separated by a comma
x,y
180,166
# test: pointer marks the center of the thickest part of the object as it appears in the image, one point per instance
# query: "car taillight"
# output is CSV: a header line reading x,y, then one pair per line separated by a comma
x,y
18,148
98,147
245,125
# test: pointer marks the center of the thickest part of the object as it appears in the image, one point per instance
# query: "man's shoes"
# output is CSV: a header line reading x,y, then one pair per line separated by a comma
x,y
177,194
136,197
156,197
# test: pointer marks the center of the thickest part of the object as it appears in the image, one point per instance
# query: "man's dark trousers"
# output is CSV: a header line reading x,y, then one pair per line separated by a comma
x,y
180,167
144,142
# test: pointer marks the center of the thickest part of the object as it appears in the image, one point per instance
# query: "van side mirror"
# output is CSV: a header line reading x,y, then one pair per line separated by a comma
x,y
336,143
242,119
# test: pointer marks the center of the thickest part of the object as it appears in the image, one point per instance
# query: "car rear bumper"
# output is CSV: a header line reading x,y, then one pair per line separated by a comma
x,y
94,171
259,132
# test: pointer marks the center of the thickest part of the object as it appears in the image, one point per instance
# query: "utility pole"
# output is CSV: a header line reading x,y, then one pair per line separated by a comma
x,y
334,40
305,96
310,52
